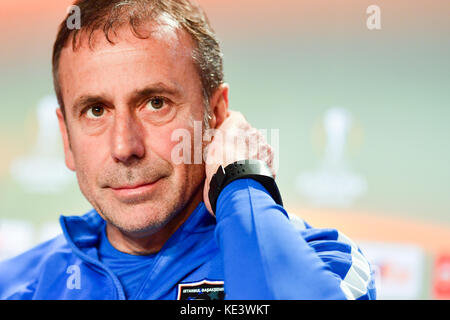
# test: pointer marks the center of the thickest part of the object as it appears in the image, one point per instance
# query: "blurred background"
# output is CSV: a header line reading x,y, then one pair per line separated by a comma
x,y
356,100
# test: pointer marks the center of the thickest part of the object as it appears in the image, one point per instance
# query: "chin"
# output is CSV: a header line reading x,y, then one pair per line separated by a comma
x,y
139,219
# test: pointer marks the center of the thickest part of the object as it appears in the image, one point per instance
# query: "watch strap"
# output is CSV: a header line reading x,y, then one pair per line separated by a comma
x,y
247,169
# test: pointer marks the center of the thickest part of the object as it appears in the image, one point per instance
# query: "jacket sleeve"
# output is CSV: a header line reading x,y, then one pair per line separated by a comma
x,y
269,257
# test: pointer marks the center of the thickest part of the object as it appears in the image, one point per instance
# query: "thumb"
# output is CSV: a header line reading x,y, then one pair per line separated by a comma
x,y
206,198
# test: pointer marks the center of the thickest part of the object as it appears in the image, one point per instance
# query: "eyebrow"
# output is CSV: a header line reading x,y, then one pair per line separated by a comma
x,y
138,95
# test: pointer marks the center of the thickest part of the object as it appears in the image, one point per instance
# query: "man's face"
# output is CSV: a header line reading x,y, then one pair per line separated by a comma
x,y
122,103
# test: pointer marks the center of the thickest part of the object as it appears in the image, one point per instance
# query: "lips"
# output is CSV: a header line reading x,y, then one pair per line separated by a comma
x,y
132,187
136,192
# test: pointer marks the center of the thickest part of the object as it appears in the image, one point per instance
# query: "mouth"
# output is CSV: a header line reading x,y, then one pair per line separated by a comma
x,y
133,193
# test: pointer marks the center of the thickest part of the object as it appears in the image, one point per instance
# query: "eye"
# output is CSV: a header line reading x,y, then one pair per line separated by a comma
x,y
156,103
95,112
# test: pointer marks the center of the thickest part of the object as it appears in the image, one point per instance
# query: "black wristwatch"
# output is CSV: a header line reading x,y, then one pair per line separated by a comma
x,y
253,169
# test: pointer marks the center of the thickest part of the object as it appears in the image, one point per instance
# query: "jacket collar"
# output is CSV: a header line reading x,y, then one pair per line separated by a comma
x,y
84,231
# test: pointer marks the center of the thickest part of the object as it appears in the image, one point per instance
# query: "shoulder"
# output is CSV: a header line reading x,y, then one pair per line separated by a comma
x,y
19,275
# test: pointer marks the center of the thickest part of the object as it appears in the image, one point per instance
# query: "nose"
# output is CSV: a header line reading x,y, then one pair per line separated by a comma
x,y
127,138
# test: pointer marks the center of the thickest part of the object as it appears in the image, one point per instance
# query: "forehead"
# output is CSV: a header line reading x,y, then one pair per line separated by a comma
x,y
165,56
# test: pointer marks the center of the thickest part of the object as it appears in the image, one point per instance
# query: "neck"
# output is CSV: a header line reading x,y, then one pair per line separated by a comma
x,y
145,245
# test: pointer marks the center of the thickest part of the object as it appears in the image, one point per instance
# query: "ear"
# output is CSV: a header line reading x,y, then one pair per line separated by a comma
x,y
218,106
70,163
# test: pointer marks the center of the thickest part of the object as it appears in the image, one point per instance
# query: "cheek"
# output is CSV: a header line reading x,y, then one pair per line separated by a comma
x,y
160,142
163,140
90,155
190,173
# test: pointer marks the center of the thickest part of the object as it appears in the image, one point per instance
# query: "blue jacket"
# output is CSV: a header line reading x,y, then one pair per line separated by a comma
x,y
252,250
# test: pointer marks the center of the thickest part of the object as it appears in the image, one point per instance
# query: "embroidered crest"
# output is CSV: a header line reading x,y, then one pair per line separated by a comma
x,y
202,290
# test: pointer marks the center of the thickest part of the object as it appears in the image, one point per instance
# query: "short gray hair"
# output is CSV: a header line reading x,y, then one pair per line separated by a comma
x,y
108,15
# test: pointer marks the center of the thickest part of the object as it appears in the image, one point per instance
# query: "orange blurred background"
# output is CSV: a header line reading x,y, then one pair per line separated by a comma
x,y
290,62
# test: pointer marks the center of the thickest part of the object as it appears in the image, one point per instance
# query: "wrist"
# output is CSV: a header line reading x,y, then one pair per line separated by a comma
x,y
247,169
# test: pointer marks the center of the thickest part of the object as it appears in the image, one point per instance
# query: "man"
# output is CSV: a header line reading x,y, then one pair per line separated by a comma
x,y
136,72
